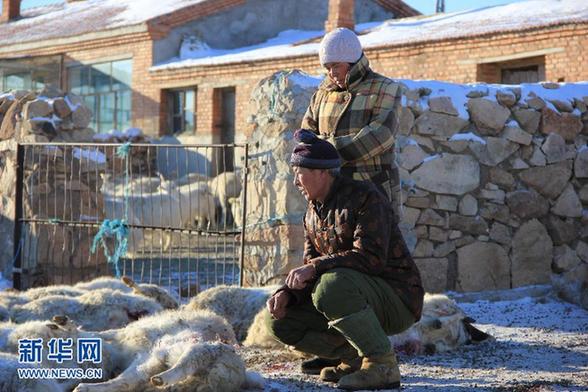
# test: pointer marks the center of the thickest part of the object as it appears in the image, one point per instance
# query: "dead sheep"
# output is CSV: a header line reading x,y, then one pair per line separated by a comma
x,y
104,282
238,305
9,298
127,285
443,327
95,310
159,294
60,328
11,382
183,350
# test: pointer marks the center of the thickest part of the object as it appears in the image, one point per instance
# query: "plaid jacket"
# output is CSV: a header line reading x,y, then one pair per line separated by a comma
x,y
356,228
361,122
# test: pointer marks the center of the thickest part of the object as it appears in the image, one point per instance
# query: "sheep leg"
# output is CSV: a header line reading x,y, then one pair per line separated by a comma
x,y
129,380
197,357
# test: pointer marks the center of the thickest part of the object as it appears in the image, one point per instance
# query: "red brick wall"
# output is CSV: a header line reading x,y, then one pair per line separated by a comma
x,y
457,61
563,47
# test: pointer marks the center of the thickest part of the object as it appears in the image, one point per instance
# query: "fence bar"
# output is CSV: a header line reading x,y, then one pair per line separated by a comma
x,y
244,216
18,212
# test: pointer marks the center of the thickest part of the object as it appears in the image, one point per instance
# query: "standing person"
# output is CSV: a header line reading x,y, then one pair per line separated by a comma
x,y
358,111
358,283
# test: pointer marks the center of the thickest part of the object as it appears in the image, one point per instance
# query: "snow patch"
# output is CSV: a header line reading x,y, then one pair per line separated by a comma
x,y
470,137
92,155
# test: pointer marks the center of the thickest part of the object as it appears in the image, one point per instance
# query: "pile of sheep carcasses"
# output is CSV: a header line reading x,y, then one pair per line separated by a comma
x,y
148,340
151,341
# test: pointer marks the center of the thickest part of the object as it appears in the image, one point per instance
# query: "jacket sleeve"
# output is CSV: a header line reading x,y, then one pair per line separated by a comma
x,y
380,133
371,237
310,119
298,296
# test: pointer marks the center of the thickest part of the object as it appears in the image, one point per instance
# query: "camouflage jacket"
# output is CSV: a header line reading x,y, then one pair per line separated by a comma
x,y
356,228
361,122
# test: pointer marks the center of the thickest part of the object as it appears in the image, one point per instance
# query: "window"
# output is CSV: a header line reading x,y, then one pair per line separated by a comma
x,y
525,70
106,89
181,111
29,74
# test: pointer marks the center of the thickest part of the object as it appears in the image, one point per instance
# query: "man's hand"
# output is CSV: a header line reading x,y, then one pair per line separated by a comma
x,y
299,277
277,303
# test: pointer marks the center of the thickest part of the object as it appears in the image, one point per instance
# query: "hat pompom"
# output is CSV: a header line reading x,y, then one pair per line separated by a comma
x,y
305,136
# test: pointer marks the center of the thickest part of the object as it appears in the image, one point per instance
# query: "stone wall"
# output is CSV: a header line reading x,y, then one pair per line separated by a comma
x,y
275,208
59,183
494,179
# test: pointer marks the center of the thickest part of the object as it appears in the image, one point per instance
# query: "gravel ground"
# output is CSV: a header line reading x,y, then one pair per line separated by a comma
x,y
541,344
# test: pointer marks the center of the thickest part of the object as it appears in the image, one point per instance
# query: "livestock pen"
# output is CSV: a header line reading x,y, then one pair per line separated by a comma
x,y
156,212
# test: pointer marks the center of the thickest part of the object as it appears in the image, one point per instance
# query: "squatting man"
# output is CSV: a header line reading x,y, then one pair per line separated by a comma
x,y
358,283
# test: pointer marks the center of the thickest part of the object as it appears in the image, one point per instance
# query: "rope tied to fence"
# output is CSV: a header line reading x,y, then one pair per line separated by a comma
x,y
116,228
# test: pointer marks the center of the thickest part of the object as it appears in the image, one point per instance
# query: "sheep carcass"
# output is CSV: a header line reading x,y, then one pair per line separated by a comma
x,y
59,328
443,327
96,310
194,347
11,382
238,305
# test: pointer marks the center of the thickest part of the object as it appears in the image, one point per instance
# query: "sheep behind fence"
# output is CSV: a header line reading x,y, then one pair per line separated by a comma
x,y
181,233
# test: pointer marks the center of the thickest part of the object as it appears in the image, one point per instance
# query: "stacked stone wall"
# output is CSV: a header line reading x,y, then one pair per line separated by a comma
x,y
494,179
60,184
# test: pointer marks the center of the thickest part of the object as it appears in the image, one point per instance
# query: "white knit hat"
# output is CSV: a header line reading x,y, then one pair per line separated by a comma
x,y
340,46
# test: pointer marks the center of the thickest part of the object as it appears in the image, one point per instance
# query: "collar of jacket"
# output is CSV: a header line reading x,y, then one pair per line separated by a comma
x,y
356,74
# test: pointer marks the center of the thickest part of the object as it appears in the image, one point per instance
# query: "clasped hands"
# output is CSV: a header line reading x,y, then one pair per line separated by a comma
x,y
297,279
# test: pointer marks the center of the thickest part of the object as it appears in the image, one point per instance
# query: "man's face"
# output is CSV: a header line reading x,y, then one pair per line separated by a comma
x,y
310,182
338,72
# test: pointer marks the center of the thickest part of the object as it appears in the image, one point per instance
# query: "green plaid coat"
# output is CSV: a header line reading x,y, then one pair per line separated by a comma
x,y
361,122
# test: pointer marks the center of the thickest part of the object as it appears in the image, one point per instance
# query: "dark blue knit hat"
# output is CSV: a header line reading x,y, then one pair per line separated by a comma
x,y
313,153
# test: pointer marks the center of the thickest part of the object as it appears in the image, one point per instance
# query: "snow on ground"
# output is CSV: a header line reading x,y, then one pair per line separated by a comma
x,y
541,344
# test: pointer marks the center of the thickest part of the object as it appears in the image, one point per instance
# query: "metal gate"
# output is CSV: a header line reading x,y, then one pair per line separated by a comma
x,y
160,213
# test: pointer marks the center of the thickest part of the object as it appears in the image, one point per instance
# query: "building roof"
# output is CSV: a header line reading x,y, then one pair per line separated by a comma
x,y
470,23
82,17
77,18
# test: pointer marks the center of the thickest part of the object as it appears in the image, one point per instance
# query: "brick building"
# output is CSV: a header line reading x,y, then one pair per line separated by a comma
x,y
151,64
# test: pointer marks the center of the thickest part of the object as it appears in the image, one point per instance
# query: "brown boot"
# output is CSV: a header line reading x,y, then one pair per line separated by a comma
x,y
345,367
377,372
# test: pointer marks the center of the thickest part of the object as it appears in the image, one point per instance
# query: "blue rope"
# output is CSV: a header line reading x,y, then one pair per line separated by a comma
x,y
112,228
116,228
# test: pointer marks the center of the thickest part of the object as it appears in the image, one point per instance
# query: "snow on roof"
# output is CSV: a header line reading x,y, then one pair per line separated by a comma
x,y
510,17
81,17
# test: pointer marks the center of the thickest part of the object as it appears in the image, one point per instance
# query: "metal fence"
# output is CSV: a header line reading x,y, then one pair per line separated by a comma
x,y
180,209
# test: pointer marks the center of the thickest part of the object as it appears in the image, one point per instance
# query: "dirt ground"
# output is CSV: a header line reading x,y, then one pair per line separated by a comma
x,y
541,344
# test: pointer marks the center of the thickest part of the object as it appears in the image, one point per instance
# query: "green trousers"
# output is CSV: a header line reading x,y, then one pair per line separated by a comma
x,y
350,313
